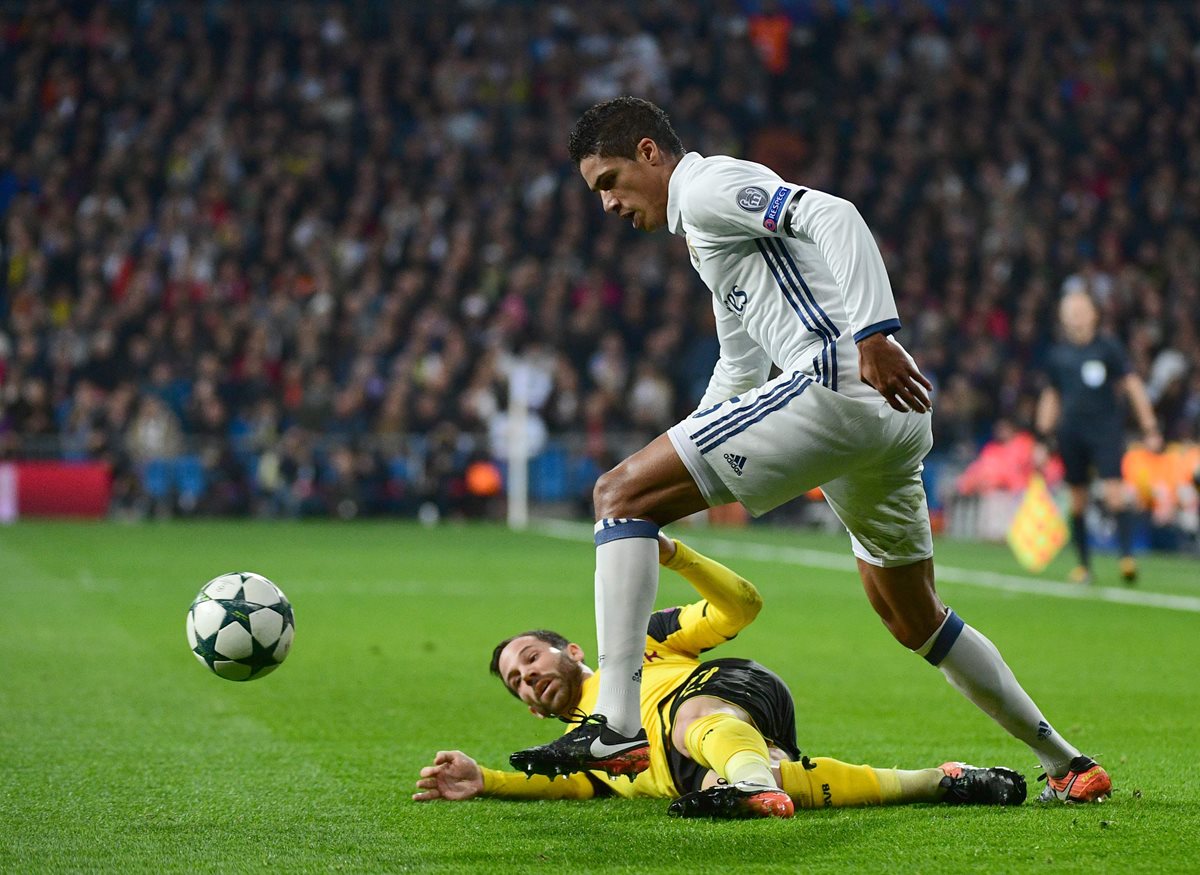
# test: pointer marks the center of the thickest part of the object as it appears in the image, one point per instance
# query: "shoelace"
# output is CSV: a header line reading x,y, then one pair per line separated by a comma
x,y
577,715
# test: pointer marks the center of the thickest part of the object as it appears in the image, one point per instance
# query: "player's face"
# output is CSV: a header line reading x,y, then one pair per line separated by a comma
x,y
1078,316
635,190
548,680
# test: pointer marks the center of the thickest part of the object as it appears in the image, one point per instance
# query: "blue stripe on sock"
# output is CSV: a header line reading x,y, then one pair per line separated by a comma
x,y
616,529
951,629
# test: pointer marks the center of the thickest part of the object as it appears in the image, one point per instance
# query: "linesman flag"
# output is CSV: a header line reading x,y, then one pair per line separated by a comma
x,y
1038,530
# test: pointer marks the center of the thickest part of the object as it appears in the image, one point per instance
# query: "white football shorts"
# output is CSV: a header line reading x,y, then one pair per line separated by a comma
x,y
779,440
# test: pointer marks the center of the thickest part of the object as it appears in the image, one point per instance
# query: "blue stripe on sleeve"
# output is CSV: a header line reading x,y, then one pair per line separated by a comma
x,y
796,300
828,331
887,326
790,295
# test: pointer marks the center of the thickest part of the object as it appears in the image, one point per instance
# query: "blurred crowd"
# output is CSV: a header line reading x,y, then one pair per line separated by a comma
x,y
312,248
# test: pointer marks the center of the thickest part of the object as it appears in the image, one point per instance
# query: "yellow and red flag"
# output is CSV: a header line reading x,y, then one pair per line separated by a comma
x,y
1038,530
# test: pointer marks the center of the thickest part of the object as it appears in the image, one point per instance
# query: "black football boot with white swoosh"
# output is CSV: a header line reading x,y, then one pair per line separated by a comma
x,y
591,746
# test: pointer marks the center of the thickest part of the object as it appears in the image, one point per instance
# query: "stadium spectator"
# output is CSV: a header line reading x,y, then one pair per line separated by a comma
x,y
370,199
1006,463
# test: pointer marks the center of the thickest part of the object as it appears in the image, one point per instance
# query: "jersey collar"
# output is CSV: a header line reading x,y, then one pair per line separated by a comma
x,y
675,191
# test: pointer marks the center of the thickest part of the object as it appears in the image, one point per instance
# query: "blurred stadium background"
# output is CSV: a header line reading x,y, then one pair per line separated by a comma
x,y
282,261
269,259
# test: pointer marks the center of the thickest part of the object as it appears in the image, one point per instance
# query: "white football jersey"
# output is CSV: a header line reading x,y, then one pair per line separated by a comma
x,y
795,274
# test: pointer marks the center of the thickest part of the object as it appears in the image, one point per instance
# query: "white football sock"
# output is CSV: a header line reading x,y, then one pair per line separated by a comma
x,y
626,583
974,667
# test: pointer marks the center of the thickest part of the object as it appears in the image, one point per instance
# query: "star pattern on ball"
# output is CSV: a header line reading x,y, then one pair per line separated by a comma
x,y
233,632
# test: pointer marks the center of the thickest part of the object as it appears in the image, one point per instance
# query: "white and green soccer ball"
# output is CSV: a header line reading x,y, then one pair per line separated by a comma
x,y
240,626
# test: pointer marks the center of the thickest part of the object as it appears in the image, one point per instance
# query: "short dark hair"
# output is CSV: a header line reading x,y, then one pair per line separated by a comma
x,y
550,637
615,127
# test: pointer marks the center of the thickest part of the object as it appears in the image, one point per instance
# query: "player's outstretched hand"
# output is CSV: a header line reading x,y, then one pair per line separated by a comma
x,y
889,369
454,776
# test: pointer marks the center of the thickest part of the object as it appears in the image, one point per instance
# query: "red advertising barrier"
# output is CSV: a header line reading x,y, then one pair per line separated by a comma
x,y
56,488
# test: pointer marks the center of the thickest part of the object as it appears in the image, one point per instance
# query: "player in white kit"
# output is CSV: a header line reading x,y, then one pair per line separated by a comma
x,y
798,283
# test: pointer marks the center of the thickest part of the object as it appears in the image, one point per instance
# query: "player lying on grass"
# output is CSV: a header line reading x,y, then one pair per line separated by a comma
x,y
722,733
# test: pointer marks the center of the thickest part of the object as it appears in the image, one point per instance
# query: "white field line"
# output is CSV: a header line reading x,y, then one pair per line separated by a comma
x,y
949,573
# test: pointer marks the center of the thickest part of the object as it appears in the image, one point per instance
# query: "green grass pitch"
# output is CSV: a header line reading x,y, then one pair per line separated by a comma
x,y
119,752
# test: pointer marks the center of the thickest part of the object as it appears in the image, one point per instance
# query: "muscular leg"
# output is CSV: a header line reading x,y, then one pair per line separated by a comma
x,y
652,484
649,489
905,599
907,602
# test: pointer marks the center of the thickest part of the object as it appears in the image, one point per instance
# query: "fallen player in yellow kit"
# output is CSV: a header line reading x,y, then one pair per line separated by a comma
x,y
722,732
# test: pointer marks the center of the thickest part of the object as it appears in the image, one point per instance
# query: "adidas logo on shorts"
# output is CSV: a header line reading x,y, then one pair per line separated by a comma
x,y
737,463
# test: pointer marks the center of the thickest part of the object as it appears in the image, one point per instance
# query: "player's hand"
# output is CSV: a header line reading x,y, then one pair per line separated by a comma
x,y
1154,440
889,369
454,776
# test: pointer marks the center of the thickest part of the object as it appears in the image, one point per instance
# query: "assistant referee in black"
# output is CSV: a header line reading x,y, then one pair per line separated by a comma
x,y
1081,407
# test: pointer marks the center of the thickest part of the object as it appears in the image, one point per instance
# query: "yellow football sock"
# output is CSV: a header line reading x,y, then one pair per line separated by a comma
x,y
906,785
732,748
830,783
890,789
833,784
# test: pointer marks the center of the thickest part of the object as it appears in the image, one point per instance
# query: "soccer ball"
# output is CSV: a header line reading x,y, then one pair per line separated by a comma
x,y
240,626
